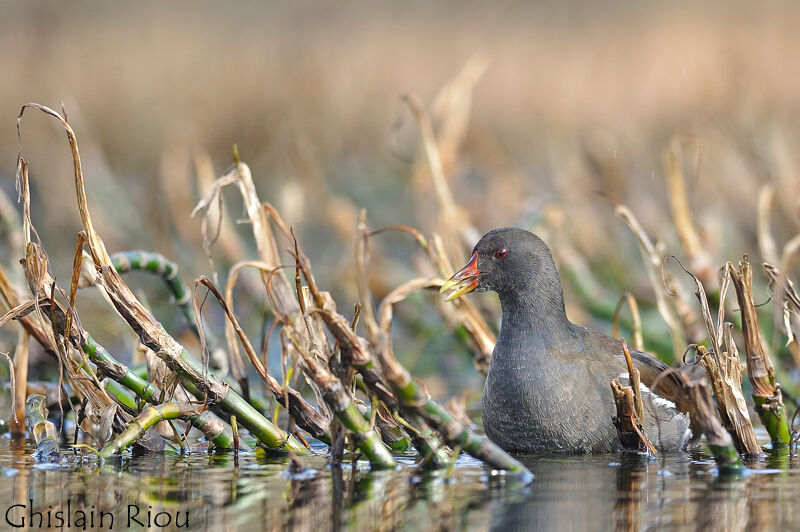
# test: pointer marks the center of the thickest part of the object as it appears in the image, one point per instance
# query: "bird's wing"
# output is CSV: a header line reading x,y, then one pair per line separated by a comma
x,y
663,380
669,383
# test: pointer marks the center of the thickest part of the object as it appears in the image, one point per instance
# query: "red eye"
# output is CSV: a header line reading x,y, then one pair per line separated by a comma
x,y
501,253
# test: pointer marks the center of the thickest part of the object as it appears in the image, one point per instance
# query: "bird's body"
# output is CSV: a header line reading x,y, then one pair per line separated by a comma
x,y
554,395
548,386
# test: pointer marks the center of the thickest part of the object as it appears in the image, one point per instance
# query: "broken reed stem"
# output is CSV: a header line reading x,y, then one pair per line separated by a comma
x,y
411,397
151,333
354,349
719,440
723,366
148,418
20,370
32,327
630,409
356,352
635,381
306,417
333,391
341,403
81,376
726,382
119,374
217,392
38,424
626,422
391,431
766,391
221,433
44,432
279,294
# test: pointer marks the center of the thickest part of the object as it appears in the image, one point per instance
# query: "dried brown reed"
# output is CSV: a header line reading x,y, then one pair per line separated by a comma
x,y
319,341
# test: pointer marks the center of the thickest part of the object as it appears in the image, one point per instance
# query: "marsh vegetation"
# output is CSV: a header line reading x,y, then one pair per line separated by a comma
x,y
213,327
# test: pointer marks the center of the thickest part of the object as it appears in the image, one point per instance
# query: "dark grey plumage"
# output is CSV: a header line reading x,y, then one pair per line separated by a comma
x,y
548,383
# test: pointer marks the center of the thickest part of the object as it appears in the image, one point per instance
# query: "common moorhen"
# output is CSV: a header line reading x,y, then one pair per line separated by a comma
x,y
548,387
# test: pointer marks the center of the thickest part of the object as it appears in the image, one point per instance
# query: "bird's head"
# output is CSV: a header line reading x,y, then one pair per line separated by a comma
x,y
504,260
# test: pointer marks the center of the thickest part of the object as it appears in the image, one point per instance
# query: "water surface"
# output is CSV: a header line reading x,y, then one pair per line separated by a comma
x,y
256,492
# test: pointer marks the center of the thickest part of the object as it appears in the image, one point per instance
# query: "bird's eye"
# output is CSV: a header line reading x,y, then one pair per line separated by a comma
x,y
501,253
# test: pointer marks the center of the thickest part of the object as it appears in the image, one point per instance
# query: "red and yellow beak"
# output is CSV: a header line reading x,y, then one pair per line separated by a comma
x,y
463,281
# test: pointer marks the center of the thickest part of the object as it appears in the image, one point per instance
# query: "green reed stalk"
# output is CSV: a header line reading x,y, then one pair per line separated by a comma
x,y
119,373
139,425
766,391
126,261
43,431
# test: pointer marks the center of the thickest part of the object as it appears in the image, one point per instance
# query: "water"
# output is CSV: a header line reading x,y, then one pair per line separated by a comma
x,y
256,492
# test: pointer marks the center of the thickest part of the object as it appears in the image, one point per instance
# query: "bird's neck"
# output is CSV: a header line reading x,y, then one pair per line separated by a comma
x,y
536,314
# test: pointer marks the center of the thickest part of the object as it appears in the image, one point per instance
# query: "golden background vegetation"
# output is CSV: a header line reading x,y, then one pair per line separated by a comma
x,y
570,98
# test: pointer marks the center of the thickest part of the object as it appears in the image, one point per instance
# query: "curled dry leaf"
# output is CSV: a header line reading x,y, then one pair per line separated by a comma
x,y
724,368
240,175
789,322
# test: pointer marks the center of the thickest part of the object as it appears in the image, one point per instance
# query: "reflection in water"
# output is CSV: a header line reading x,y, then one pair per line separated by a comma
x,y
627,492
612,492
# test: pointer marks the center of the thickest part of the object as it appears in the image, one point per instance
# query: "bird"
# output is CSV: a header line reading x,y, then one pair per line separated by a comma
x,y
548,388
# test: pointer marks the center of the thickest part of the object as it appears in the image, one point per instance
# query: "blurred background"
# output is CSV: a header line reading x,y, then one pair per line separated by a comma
x,y
540,105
